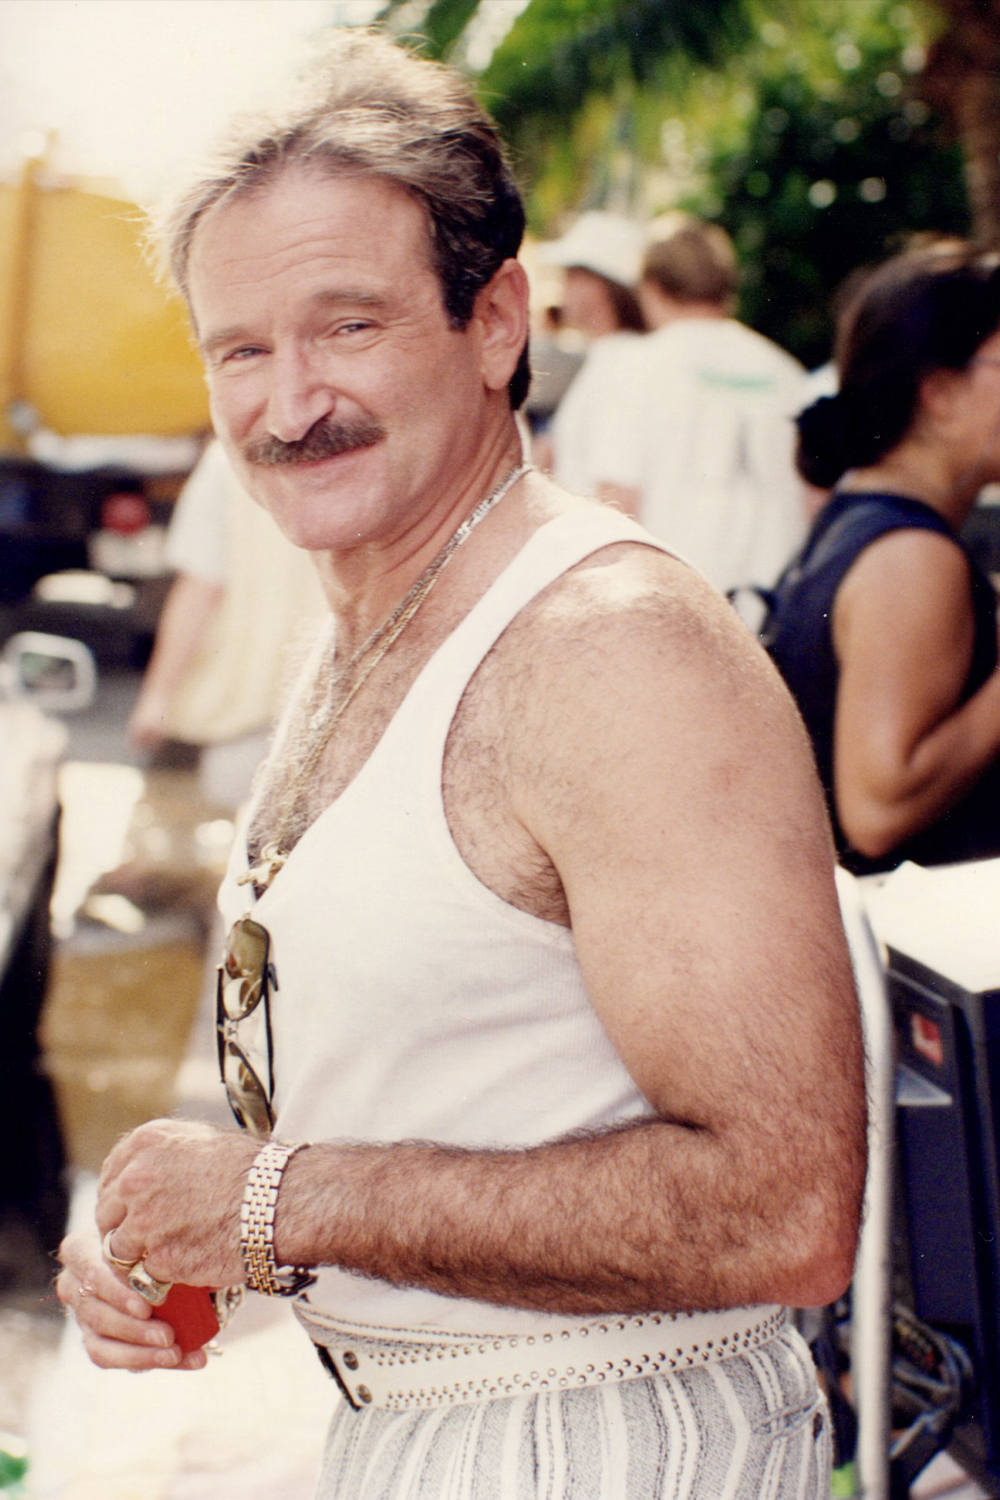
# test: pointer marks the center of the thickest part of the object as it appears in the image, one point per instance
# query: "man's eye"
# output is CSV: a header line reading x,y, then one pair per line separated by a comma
x,y
245,351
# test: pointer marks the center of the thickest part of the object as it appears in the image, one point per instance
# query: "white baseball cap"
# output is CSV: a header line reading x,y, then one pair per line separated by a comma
x,y
606,243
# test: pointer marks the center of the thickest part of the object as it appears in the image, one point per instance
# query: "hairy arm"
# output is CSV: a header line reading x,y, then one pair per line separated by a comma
x,y
659,767
906,748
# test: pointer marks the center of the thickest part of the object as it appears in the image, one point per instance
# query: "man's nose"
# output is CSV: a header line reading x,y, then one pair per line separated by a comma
x,y
298,395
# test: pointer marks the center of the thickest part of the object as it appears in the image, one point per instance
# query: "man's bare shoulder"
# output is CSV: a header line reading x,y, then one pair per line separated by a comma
x,y
632,608
631,671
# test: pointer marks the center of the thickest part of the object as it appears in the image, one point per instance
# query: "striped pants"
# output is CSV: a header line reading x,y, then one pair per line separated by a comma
x,y
753,1427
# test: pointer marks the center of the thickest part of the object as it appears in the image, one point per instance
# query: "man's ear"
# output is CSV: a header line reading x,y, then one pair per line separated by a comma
x,y
501,311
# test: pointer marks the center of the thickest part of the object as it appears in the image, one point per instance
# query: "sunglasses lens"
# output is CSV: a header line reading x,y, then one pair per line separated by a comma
x,y
243,967
242,987
247,1095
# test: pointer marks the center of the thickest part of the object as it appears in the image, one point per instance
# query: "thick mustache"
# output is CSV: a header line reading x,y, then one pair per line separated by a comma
x,y
324,440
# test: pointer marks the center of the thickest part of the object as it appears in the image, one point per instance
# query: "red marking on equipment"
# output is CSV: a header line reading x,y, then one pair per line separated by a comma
x,y
927,1039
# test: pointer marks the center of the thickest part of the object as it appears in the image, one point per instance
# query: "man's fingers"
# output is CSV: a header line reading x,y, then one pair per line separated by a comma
x,y
85,1273
94,1300
196,1360
118,1354
110,1219
120,1262
118,1331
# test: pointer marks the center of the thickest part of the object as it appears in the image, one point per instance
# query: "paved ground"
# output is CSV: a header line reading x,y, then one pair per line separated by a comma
x,y
128,1035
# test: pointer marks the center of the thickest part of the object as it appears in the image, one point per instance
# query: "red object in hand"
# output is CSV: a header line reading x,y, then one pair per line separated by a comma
x,y
190,1311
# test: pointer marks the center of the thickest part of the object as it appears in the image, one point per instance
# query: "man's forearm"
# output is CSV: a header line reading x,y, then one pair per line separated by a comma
x,y
651,1216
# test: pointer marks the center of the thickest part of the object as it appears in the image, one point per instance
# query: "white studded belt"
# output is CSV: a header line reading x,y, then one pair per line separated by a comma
x,y
400,1369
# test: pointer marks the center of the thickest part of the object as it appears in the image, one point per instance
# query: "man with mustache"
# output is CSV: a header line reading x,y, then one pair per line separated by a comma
x,y
536,975
324,440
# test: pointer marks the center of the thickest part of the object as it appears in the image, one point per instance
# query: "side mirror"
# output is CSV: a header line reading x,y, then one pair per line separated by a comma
x,y
57,674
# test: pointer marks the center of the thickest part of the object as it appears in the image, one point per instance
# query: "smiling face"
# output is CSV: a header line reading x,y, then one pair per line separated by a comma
x,y
322,325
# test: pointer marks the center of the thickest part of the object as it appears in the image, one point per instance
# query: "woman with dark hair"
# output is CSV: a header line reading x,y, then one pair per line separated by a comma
x,y
885,628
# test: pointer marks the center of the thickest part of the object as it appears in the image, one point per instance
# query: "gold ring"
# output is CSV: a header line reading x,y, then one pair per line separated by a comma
x,y
115,1260
147,1286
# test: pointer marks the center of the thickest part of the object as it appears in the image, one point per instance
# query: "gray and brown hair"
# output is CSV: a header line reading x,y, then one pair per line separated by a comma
x,y
695,263
371,108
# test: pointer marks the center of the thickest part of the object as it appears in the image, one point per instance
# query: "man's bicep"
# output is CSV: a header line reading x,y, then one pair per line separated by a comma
x,y
699,878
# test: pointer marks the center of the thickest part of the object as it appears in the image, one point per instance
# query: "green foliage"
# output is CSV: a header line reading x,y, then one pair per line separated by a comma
x,y
838,163
798,124
805,136
442,23
562,58
560,51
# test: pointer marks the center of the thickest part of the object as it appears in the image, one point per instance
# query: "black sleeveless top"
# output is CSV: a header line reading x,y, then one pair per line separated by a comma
x,y
800,639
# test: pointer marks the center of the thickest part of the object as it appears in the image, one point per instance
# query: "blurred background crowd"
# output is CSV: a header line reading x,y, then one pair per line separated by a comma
x,y
738,209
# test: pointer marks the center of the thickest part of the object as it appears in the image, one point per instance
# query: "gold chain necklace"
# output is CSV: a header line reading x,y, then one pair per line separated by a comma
x,y
275,851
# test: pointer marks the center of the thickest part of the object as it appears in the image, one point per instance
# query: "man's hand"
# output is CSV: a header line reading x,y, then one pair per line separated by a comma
x,y
120,1330
170,1195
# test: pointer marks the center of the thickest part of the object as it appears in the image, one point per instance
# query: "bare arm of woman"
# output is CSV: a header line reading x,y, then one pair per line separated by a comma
x,y
905,747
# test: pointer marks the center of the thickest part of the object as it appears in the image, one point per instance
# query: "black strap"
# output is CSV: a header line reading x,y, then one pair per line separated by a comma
x,y
327,1361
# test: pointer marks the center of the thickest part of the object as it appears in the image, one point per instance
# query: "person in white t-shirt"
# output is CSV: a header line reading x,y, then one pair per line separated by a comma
x,y
601,255
241,597
696,435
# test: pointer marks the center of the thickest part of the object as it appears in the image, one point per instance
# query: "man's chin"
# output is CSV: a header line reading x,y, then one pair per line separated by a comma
x,y
315,505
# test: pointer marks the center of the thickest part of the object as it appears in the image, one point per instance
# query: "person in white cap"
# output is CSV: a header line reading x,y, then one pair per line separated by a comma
x,y
602,257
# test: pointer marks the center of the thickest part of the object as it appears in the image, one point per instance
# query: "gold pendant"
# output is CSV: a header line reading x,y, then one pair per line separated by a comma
x,y
263,872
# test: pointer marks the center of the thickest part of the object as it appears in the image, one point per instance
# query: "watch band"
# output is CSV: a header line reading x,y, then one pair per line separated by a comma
x,y
259,1206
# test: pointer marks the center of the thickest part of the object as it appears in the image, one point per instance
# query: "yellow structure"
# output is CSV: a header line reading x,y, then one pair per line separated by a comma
x,y
87,335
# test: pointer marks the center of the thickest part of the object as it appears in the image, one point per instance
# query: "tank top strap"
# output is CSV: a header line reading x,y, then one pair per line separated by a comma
x,y
409,756
550,552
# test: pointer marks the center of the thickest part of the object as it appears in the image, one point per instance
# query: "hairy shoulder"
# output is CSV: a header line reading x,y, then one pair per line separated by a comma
x,y
629,620
653,752
631,678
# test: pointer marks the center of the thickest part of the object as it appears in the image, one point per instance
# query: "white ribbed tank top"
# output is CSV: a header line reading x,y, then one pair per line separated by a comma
x,y
412,1002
